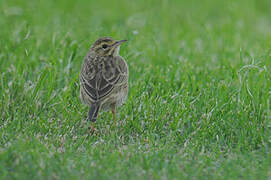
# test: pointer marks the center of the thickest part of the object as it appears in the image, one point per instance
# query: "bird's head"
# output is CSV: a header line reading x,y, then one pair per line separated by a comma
x,y
106,46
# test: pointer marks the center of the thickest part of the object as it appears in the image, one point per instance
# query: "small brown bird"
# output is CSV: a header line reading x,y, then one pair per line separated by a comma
x,y
103,78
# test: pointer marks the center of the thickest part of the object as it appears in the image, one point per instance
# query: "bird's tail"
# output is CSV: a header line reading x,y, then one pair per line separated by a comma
x,y
93,112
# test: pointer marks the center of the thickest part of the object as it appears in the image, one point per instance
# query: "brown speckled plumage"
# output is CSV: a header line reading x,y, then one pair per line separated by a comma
x,y
103,77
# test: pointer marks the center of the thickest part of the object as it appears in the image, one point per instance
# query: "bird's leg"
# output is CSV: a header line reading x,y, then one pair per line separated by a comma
x,y
92,128
114,113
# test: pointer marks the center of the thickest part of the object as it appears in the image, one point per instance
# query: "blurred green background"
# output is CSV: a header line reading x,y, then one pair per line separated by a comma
x,y
199,96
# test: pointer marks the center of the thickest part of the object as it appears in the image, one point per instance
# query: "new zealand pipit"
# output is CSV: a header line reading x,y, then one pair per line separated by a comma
x,y
103,78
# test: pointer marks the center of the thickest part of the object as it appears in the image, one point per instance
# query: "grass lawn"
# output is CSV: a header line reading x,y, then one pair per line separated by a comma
x,y
199,104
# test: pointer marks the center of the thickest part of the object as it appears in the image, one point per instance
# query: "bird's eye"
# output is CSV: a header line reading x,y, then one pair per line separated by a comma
x,y
104,46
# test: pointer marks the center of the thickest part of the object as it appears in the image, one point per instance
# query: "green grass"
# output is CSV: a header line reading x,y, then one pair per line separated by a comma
x,y
199,90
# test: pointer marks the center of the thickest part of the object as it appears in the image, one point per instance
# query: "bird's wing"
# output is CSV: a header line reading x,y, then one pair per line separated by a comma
x,y
116,72
123,69
99,80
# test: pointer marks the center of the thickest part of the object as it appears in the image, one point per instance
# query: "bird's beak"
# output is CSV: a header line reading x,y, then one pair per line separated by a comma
x,y
117,43
115,47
